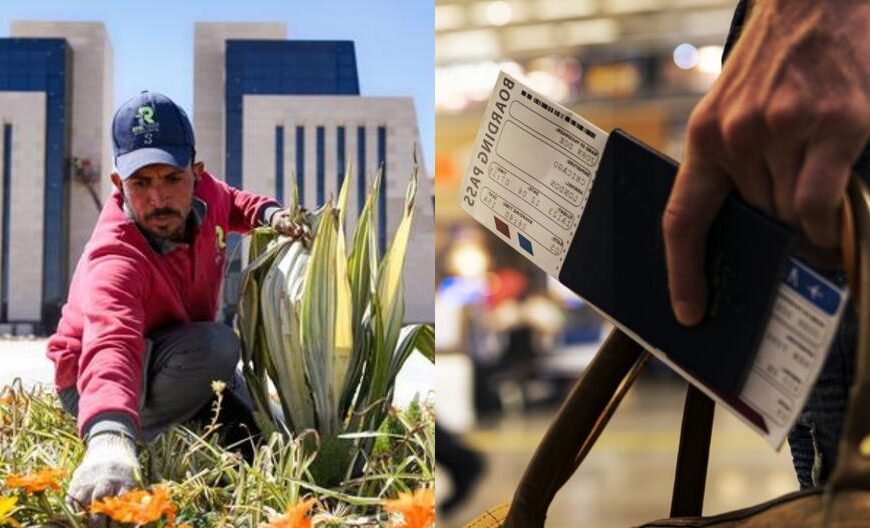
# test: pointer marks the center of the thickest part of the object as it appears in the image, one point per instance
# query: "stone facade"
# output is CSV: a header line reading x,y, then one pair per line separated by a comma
x,y
25,112
92,107
209,80
263,113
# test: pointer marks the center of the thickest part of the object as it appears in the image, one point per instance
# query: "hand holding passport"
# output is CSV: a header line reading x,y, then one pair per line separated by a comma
x,y
587,208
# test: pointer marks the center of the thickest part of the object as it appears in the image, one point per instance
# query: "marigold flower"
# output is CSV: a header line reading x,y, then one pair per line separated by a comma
x,y
35,482
295,517
417,509
138,507
7,504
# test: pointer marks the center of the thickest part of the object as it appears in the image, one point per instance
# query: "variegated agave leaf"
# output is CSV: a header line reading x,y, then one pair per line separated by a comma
x,y
344,330
390,295
255,360
420,337
362,271
322,323
289,375
363,260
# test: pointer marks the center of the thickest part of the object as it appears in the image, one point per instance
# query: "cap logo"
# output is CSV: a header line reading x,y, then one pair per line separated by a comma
x,y
145,117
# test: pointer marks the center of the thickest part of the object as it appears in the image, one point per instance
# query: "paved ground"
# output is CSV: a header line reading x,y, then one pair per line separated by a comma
x,y
25,358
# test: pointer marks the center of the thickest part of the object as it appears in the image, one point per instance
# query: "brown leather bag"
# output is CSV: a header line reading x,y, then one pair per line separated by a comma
x,y
843,503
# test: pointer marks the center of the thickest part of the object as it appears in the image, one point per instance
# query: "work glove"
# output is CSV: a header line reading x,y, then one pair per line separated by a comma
x,y
109,468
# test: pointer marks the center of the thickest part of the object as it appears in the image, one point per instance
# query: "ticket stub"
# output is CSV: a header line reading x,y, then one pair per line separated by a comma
x,y
802,326
797,338
533,166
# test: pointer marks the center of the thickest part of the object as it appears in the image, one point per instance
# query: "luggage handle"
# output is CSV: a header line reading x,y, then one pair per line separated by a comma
x,y
852,471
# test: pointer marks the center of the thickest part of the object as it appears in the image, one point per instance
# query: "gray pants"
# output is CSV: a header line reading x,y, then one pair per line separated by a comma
x,y
180,364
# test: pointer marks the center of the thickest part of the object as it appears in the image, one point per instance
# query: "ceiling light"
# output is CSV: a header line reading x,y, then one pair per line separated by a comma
x,y
685,56
710,59
499,13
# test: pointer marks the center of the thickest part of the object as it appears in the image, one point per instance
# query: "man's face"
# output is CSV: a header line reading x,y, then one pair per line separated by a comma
x,y
160,198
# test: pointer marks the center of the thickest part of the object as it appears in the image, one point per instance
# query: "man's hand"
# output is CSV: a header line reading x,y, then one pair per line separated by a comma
x,y
784,123
282,222
110,467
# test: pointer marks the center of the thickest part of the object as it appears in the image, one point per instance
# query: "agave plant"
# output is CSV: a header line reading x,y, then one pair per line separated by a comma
x,y
325,327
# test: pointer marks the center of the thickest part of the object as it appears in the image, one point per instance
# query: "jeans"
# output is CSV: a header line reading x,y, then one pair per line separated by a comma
x,y
181,362
814,439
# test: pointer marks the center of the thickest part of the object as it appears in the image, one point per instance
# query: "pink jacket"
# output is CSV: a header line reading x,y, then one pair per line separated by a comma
x,y
122,289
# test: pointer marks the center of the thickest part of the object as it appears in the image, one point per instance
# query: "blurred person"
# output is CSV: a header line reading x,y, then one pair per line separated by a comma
x,y
501,341
784,124
137,348
464,465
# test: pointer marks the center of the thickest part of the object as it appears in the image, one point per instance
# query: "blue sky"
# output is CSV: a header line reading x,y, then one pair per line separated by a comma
x,y
152,41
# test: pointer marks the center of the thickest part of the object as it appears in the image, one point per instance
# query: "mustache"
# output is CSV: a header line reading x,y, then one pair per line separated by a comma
x,y
164,211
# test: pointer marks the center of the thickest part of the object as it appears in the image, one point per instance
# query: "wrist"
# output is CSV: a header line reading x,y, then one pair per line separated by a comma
x,y
269,214
111,438
117,423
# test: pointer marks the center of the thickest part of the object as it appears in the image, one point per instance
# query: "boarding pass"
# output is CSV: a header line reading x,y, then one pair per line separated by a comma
x,y
534,164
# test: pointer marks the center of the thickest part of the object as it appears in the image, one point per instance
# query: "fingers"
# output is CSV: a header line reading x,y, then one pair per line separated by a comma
x,y
819,191
784,167
742,145
697,195
80,498
787,133
104,488
76,501
284,224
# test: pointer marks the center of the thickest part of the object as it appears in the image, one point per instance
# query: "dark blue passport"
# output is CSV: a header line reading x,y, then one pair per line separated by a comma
x,y
616,261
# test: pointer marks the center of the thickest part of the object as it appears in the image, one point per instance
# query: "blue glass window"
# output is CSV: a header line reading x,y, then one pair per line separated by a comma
x,y
7,185
382,198
281,67
279,163
41,65
300,163
321,166
361,164
339,156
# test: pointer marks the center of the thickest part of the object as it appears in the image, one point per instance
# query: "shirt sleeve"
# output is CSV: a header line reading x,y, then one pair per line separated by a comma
x,y
113,346
249,210
63,350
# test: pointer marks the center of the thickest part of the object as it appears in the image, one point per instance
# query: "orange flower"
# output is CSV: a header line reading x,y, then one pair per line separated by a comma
x,y
138,507
295,517
35,482
417,509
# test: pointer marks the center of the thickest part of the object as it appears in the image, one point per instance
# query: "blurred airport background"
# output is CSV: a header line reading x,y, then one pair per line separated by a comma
x,y
510,341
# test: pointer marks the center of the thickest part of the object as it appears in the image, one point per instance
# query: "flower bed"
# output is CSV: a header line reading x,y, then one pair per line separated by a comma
x,y
190,480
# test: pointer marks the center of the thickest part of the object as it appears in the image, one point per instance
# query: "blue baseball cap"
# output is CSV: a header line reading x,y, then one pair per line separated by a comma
x,y
149,129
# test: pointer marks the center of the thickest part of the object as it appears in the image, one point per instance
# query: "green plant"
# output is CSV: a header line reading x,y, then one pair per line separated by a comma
x,y
325,328
209,484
